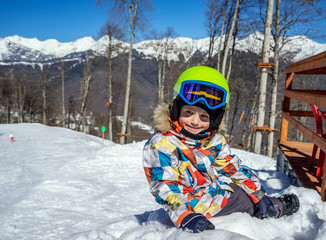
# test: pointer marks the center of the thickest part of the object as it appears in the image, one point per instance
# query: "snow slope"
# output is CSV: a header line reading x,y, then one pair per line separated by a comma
x,y
59,184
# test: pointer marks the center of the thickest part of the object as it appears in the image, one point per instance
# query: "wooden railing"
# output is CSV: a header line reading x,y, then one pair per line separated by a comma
x,y
313,65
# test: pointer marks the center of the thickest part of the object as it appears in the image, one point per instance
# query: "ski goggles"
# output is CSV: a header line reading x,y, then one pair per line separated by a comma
x,y
213,95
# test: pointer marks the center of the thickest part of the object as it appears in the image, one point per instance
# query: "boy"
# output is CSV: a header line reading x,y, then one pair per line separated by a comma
x,y
189,166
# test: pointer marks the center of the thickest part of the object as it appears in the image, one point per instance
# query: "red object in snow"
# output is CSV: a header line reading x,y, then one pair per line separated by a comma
x,y
319,116
11,137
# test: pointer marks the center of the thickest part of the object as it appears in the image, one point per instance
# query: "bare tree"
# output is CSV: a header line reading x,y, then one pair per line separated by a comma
x,y
167,48
213,15
21,99
44,79
84,91
230,35
272,117
13,94
264,73
162,45
71,110
218,63
62,66
294,13
130,8
113,48
235,32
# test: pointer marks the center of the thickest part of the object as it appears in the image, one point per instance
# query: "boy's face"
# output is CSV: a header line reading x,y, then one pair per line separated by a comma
x,y
194,119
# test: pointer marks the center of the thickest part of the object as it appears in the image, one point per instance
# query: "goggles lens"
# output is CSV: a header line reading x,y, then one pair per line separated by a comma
x,y
213,95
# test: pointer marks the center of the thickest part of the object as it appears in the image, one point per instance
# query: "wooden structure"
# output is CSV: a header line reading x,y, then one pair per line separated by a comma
x,y
123,134
265,128
298,154
265,65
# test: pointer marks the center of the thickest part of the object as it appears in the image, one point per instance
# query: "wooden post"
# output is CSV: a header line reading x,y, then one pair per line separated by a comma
x,y
286,107
288,86
284,130
323,184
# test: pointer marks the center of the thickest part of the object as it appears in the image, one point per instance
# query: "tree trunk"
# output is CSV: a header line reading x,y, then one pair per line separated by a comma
x,y
8,113
127,96
253,112
110,97
165,60
212,22
159,75
84,120
84,98
21,99
233,34
226,51
263,79
63,94
30,114
221,38
233,47
85,86
272,117
43,85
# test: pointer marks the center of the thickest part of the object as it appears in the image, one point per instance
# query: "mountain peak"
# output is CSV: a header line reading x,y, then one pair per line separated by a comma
x,y
51,49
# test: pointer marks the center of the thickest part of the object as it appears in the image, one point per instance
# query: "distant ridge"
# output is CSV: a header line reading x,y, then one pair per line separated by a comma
x,y
16,49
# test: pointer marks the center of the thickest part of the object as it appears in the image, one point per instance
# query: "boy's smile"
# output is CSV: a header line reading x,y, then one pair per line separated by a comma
x,y
194,119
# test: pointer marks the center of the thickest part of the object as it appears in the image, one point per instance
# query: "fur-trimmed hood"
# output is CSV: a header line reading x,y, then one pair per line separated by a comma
x,y
161,118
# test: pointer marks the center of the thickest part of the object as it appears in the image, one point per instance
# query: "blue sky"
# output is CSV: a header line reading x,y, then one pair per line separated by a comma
x,y
69,20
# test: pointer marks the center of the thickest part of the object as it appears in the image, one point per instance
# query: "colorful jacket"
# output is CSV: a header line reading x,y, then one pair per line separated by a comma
x,y
188,175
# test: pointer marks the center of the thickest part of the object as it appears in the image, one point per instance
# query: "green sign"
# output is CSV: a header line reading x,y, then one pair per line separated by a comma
x,y
103,128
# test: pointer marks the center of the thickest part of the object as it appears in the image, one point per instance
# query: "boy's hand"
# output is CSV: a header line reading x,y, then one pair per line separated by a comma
x,y
267,208
196,223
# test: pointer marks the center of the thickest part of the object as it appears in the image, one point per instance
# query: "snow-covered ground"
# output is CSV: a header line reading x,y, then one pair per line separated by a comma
x,y
64,185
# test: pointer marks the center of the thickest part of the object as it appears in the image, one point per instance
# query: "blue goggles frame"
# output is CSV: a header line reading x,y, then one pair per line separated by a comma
x,y
212,95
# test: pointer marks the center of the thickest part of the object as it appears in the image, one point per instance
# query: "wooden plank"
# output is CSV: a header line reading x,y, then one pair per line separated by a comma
x,y
123,134
265,65
318,92
316,139
262,128
289,80
308,97
301,113
313,65
323,185
298,155
286,107
288,86
284,130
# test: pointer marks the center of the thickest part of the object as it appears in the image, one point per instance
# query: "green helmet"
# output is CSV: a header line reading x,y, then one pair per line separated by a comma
x,y
203,74
202,86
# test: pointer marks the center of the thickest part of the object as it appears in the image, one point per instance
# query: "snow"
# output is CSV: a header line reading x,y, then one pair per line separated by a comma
x,y
59,184
140,125
300,47
52,46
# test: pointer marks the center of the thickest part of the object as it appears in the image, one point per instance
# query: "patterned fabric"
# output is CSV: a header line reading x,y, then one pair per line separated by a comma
x,y
187,175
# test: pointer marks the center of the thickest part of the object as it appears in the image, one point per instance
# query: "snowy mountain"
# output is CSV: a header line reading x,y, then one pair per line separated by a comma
x,y
60,184
16,49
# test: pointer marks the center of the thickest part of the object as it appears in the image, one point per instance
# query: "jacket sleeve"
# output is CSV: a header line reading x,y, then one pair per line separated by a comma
x,y
230,166
162,172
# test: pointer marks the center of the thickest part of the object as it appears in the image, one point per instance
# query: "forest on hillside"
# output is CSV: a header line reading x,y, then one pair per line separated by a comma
x,y
124,86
